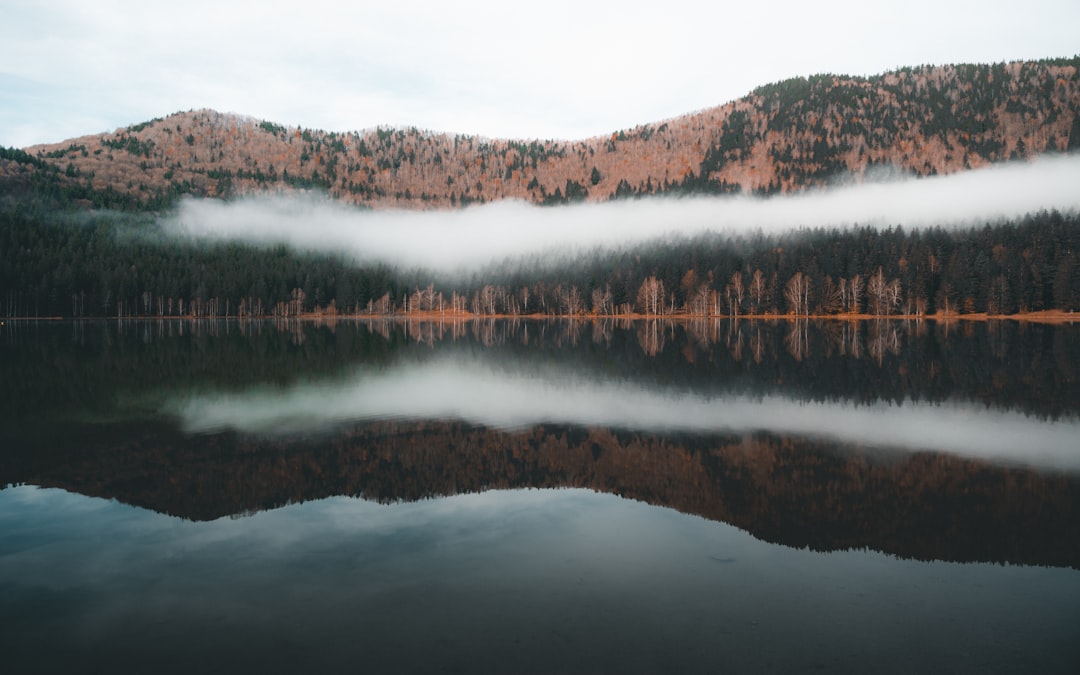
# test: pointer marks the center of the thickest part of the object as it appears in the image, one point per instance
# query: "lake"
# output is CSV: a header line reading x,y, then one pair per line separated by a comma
x,y
539,496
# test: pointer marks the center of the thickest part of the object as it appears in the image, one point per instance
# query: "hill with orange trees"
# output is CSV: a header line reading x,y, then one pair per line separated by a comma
x,y
781,137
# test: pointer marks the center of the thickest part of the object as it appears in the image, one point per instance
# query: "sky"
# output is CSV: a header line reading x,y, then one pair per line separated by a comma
x,y
563,69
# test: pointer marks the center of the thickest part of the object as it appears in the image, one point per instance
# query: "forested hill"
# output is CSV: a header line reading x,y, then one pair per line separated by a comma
x,y
781,137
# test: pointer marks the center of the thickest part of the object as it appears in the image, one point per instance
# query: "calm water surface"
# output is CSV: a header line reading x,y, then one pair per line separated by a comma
x,y
540,497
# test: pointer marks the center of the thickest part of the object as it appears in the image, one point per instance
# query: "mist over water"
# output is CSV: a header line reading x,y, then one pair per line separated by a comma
x,y
452,240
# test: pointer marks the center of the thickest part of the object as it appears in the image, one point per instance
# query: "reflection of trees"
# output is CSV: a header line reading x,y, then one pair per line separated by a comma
x,y
569,333
650,335
995,334
792,491
832,334
73,366
735,340
797,339
487,333
381,327
423,332
248,328
702,332
458,329
757,344
601,331
883,337
843,338
293,327
853,340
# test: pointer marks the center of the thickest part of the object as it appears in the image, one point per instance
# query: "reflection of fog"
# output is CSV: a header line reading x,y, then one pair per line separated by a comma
x,y
470,391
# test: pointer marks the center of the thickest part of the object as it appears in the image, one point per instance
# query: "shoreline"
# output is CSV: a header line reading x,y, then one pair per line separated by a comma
x,y
1042,316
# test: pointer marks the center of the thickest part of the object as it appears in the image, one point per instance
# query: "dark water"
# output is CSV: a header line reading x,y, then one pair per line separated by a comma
x,y
540,497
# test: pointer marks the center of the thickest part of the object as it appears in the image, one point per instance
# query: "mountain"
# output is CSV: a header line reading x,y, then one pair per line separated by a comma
x,y
782,137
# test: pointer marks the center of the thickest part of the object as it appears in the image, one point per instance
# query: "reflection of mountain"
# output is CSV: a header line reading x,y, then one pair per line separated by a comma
x,y
781,486
790,491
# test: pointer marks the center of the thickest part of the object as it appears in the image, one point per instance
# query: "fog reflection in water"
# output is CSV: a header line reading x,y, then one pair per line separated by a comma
x,y
536,581
765,438
473,391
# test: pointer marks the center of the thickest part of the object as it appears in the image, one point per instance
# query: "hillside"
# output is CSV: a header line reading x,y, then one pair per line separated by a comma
x,y
781,137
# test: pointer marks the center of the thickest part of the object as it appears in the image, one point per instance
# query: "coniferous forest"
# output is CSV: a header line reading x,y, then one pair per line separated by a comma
x,y
106,264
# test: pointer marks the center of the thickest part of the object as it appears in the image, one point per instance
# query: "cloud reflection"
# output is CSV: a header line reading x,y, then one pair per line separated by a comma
x,y
475,393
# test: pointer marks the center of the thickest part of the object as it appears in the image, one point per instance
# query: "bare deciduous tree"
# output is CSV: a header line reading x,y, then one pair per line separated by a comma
x,y
698,301
735,293
570,300
875,292
757,290
650,297
831,299
856,290
894,296
601,301
524,294
797,293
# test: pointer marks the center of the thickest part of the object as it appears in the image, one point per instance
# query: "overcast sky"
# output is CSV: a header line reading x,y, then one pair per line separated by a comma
x,y
549,69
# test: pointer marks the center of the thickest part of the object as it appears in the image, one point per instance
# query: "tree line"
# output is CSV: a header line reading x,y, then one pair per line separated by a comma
x,y
104,264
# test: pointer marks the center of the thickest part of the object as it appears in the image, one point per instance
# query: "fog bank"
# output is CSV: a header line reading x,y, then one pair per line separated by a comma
x,y
452,240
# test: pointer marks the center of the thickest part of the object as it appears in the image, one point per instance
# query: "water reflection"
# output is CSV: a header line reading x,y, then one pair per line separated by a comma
x,y
469,389
175,416
529,581
539,496
1006,365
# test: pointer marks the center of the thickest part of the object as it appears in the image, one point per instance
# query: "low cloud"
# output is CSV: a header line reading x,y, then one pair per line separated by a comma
x,y
453,240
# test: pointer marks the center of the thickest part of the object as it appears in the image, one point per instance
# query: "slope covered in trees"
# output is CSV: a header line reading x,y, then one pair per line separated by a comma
x,y
781,137
107,264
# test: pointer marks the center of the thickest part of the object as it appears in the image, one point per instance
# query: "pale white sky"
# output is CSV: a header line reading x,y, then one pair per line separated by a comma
x,y
551,69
